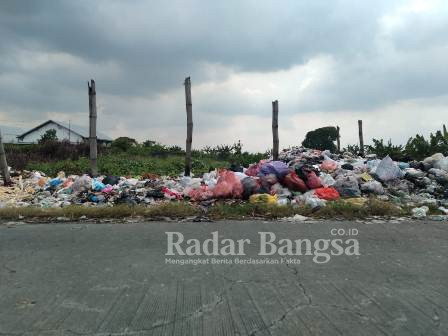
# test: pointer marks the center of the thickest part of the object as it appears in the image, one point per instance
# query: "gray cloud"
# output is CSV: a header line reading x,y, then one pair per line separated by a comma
x,y
138,51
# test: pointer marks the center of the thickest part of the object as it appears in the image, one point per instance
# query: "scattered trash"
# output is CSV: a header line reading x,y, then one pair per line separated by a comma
x,y
263,199
419,213
300,177
295,218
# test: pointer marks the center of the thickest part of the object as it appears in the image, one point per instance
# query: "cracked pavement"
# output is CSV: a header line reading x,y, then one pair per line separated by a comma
x,y
112,279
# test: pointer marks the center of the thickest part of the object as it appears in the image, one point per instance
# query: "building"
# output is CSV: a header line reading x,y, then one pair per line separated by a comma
x,y
64,132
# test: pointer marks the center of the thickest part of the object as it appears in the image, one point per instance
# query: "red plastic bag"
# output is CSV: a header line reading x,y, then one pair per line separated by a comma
x,y
228,185
171,194
294,183
312,180
200,194
329,194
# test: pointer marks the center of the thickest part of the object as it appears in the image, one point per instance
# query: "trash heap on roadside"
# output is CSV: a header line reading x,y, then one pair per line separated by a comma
x,y
301,176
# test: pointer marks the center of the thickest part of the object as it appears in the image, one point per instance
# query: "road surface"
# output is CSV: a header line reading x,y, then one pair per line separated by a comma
x,y
115,279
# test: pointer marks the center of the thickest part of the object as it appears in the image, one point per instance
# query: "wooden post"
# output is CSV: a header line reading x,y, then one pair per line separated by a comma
x,y
92,129
361,138
189,126
275,130
338,139
4,164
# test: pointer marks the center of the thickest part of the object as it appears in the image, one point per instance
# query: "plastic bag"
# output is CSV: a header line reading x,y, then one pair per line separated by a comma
x,y
327,180
278,168
347,186
311,200
280,191
263,199
200,194
267,182
312,180
228,186
433,159
250,186
55,182
97,185
210,179
387,170
329,165
441,164
253,170
329,194
294,183
171,194
111,180
366,177
420,212
82,183
373,187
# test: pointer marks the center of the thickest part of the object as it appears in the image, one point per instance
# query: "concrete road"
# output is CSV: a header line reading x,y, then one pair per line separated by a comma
x,y
113,279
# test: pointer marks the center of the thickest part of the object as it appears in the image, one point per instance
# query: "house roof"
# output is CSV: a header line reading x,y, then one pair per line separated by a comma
x,y
82,131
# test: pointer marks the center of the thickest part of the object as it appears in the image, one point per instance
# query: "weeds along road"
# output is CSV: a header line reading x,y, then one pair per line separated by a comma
x,y
115,279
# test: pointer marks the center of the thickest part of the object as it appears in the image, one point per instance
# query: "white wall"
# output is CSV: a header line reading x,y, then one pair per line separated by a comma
x,y
61,132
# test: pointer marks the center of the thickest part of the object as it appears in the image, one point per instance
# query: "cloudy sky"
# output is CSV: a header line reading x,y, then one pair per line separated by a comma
x,y
328,62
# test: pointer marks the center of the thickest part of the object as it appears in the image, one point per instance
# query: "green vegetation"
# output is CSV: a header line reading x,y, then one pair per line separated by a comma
x,y
417,148
321,138
48,136
125,157
340,209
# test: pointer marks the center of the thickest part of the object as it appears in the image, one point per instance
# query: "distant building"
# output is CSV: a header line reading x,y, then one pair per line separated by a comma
x,y
64,132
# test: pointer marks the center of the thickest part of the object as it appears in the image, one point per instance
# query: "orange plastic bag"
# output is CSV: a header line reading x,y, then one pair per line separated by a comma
x,y
228,185
329,194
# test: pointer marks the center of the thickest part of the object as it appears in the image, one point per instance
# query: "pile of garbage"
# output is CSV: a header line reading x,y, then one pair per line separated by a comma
x,y
300,176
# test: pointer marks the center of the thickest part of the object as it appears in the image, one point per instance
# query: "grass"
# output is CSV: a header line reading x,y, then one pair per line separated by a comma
x,y
74,212
221,210
125,165
372,207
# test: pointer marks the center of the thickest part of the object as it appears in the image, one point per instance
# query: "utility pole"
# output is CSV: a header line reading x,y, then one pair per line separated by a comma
x,y
92,128
361,138
275,130
189,126
338,139
3,164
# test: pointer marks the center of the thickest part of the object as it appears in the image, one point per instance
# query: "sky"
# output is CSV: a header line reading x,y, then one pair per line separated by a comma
x,y
328,62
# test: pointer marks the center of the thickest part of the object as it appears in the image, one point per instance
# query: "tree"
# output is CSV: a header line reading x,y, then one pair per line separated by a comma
x,y
48,136
123,143
321,138
382,150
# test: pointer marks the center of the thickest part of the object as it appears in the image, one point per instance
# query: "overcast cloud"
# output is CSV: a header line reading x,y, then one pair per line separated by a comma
x,y
327,62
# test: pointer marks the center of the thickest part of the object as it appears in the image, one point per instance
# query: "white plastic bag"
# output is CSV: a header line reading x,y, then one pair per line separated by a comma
x,y
388,170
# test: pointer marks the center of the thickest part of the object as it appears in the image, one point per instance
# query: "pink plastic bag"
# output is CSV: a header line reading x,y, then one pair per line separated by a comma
x,y
312,180
200,194
228,185
329,165
254,169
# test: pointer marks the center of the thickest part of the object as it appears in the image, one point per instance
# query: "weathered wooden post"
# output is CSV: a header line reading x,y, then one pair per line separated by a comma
x,y
338,139
361,138
3,163
189,126
92,129
275,130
